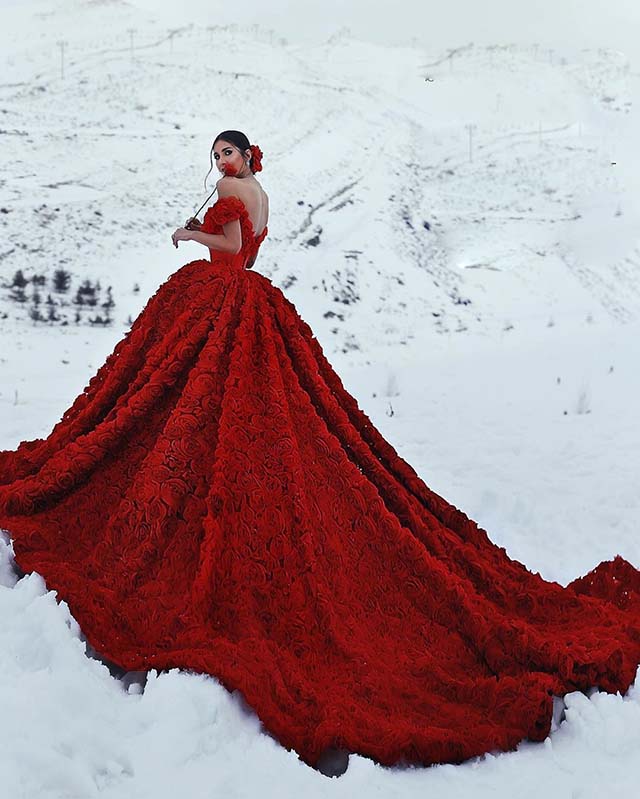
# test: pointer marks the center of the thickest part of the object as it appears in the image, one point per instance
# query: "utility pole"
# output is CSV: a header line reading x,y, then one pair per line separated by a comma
x,y
131,31
62,44
172,33
470,128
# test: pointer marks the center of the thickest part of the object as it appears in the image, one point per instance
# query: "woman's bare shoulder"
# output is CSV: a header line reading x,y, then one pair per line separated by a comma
x,y
227,184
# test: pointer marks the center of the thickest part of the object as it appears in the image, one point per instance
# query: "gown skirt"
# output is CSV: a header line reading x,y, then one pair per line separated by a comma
x,y
216,501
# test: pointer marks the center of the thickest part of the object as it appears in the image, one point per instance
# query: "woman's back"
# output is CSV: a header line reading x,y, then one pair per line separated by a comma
x,y
255,199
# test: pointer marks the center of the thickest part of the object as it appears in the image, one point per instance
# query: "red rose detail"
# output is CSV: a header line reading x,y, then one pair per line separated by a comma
x,y
256,161
229,169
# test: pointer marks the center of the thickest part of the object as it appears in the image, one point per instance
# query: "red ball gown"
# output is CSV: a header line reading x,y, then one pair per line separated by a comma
x,y
216,501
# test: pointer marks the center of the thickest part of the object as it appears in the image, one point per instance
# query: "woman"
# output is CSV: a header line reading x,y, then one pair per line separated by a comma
x,y
231,161
215,500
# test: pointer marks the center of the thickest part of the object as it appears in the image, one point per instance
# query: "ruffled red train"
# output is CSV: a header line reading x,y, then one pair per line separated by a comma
x,y
215,500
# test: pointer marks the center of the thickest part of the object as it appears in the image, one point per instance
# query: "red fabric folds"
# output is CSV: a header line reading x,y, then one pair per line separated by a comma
x,y
215,500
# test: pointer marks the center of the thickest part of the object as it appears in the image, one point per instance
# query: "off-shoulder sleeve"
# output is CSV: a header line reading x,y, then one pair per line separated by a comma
x,y
226,209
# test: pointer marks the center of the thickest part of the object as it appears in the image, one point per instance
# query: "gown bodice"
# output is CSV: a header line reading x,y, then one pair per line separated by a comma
x,y
226,209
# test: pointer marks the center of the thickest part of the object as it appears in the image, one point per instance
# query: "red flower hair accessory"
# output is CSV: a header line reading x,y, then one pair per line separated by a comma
x,y
256,161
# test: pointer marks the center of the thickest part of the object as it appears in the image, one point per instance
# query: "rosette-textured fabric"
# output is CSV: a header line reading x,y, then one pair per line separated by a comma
x,y
215,500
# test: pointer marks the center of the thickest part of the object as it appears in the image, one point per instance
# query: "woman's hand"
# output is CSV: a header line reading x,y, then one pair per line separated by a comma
x,y
193,223
181,234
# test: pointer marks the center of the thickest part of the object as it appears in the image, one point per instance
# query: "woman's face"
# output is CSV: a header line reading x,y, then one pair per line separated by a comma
x,y
227,157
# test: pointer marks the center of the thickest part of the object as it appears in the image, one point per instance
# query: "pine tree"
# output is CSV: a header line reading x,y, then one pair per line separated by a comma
x,y
61,280
19,280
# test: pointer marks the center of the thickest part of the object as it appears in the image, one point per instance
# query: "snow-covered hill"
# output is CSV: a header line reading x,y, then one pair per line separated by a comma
x,y
460,229
468,191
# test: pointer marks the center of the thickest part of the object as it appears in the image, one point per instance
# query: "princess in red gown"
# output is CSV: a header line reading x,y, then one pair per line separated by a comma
x,y
216,501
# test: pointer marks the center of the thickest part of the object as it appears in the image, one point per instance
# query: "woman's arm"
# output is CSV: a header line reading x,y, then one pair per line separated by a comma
x,y
217,241
230,240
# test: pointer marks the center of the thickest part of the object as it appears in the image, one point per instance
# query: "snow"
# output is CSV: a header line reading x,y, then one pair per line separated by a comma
x,y
477,289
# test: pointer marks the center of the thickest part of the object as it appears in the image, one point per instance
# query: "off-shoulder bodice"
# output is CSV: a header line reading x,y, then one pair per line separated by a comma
x,y
225,210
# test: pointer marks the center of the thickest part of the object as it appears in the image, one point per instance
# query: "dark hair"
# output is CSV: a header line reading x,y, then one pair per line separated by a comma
x,y
236,137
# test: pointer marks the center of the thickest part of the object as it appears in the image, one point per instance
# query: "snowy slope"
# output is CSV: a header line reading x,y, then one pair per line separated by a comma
x,y
387,206
477,288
